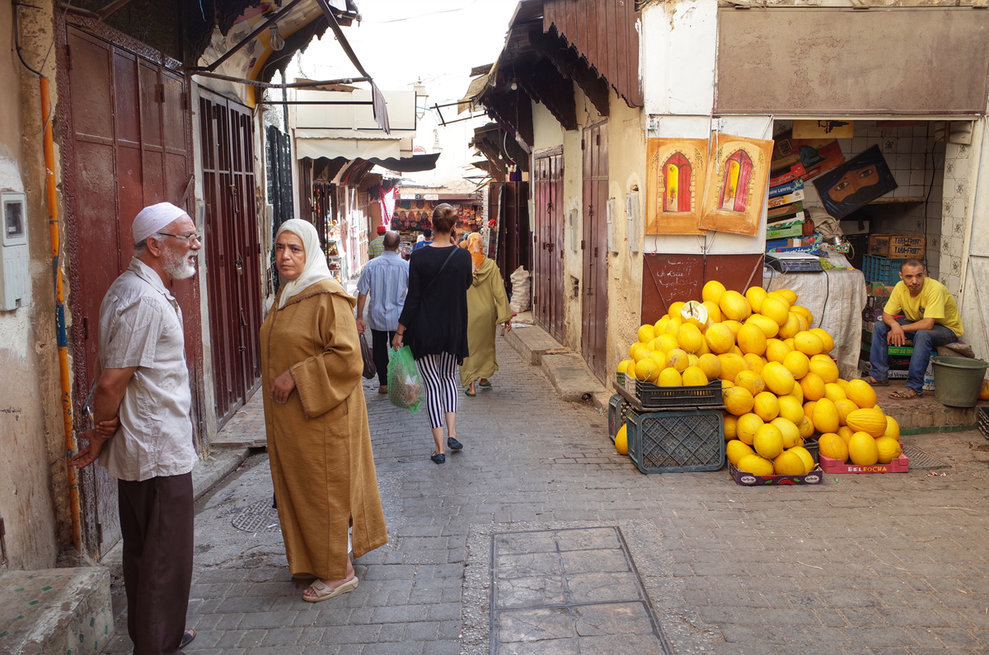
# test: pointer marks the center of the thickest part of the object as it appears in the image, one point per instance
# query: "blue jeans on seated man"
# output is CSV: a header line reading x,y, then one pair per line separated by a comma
x,y
924,343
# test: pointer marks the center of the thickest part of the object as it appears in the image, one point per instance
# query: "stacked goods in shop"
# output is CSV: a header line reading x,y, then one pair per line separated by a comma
x,y
779,385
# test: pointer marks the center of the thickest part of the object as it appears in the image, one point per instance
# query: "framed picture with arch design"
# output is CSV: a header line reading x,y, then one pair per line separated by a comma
x,y
676,171
737,175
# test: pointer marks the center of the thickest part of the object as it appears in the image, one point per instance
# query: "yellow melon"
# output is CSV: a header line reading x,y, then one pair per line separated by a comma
x,y
806,428
805,457
712,291
892,428
646,333
719,338
755,465
791,409
844,407
809,409
861,393
824,366
788,463
776,309
797,393
731,365
789,295
713,312
803,311
751,339
659,327
754,362
808,343
812,386
824,337
694,376
737,400
790,327
751,381
746,427
862,449
623,365
646,370
673,325
831,445
690,338
766,405
677,358
767,325
638,351
669,377
778,378
867,420
659,357
621,440
734,306
755,296
736,450
834,392
888,448
710,364
845,433
825,416
789,430
674,310
776,350
797,363
729,421
984,390
768,441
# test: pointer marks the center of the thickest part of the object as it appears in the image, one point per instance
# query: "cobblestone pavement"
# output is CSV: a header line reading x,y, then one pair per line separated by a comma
x,y
539,506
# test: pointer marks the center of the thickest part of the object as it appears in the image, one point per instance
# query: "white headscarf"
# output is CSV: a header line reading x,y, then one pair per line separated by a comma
x,y
315,268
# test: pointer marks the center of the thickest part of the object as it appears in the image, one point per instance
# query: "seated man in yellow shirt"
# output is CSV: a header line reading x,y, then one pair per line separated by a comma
x,y
930,319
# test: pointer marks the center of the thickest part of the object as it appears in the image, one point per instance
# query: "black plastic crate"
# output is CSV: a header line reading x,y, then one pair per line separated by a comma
x,y
656,397
982,411
676,441
618,409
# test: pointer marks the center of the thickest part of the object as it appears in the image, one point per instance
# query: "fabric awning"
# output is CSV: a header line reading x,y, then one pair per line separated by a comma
x,y
413,164
351,148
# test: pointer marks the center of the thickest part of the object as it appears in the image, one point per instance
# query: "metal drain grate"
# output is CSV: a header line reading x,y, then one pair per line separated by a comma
x,y
920,459
259,517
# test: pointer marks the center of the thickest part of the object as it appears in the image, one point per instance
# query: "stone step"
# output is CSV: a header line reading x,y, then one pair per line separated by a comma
x,y
55,611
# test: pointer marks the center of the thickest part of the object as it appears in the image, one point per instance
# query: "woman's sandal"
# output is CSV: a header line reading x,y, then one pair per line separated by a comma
x,y
323,591
906,394
874,382
468,392
484,382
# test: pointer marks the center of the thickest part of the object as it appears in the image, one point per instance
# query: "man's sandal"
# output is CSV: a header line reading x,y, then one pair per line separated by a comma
x,y
906,394
874,382
322,591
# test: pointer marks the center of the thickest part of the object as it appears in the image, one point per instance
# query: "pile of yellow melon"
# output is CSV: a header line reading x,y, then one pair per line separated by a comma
x,y
779,385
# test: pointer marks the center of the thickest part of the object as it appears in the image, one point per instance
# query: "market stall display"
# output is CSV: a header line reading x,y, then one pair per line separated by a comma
x,y
780,387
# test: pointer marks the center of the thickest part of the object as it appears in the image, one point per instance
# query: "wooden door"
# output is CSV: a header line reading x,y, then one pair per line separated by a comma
x,y
233,250
126,144
594,288
547,299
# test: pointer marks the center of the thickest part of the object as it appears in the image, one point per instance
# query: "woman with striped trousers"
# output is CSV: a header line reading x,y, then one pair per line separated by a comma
x,y
434,325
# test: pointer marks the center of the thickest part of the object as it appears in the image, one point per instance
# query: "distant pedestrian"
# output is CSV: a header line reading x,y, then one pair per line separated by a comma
x,y
143,379
319,445
386,280
435,317
424,239
487,305
377,245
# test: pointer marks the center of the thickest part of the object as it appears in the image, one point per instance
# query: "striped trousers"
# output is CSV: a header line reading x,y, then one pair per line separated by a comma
x,y
442,382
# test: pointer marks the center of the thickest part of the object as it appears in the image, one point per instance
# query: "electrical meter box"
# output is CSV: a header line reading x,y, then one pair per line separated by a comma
x,y
15,283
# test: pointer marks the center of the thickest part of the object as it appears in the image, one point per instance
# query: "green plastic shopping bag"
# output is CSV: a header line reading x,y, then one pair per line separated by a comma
x,y
404,388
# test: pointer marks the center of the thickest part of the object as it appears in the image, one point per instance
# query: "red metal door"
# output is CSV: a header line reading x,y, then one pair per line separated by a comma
x,y
548,254
233,250
126,142
594,305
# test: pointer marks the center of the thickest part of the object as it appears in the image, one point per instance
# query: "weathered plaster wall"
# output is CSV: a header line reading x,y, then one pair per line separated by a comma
x,y
33,494
627,191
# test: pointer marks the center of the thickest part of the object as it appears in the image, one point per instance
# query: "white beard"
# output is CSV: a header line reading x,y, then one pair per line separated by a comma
x,y
179,267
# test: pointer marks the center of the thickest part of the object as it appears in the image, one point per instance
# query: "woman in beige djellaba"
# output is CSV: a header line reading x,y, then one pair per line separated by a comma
x,y
319,445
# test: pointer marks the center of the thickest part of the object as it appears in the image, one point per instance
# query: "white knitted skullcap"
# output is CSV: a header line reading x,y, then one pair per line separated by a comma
x,y
154,217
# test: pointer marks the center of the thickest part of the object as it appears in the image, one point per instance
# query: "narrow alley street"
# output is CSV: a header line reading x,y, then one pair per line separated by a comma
x,y
580,553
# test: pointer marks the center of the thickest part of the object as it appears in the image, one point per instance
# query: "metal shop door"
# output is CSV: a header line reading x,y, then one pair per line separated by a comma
x,y
128,145
594,305
232,250
547,300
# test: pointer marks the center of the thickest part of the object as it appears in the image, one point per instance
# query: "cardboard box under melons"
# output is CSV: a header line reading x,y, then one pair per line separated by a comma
x,y
899,465
746,479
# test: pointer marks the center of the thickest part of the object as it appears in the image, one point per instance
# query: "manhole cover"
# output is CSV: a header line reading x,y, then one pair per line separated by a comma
x,y
920,459
259,517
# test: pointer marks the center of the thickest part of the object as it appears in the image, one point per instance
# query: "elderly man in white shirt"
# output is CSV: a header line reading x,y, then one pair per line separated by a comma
x,y
143,380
